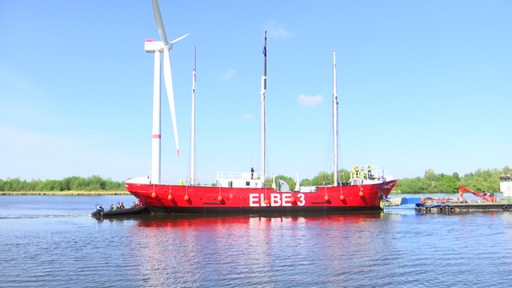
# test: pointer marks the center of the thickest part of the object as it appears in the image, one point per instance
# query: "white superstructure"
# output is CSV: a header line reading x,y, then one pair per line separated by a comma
x,y
506,185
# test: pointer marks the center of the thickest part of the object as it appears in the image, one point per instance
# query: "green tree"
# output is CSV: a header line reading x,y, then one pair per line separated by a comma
x,y
269,182
68,183
50,185
408,186
95,182
79,184
113,185
322,178
483,180
13,184
306,182
344,175
430,175
447,184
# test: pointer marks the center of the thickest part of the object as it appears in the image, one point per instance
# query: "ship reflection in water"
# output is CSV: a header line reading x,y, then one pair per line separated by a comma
x,y
263,251
354,250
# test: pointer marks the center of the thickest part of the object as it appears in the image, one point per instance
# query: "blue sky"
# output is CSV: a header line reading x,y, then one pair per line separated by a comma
x,y
422,85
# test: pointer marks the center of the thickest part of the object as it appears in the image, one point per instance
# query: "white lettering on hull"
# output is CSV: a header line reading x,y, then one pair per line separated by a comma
x,y
276,199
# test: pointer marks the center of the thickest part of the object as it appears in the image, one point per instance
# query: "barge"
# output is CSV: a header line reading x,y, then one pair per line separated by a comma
x,y
462,208
487,203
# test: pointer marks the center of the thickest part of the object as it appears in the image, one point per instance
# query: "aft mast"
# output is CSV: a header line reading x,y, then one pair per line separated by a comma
x,y
192,180
335,117
262,127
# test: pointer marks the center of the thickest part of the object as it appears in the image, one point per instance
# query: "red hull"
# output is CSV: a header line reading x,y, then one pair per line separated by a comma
x,y
162,198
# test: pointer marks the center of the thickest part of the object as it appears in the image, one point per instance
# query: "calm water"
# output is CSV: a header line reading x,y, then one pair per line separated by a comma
x,y
49,241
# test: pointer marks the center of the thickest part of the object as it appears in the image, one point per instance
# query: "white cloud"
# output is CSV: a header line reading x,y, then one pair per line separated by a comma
x,y
276,30
306,100
229,74
247,117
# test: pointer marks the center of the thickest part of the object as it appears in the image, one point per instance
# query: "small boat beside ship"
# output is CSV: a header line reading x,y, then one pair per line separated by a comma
x,y
100,212
246,193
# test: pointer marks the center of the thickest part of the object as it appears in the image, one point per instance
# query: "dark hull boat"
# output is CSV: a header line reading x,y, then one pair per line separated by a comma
x,y
135,210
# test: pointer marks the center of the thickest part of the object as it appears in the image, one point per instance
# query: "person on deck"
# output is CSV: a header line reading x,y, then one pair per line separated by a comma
x,y
370,175
355,172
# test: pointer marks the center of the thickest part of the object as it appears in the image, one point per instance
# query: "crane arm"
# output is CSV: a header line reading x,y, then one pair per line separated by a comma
x,y
463,188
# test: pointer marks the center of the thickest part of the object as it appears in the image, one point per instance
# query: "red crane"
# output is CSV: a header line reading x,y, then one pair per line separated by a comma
x,y
486,198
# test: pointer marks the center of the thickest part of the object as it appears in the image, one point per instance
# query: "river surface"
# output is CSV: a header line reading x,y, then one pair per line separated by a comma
x,y
51,241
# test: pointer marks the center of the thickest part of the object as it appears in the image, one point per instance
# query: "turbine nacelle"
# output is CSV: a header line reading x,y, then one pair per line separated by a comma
x,y
151,46
158,46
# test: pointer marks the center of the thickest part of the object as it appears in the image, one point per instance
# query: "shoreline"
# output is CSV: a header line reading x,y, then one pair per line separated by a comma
x,y
64,193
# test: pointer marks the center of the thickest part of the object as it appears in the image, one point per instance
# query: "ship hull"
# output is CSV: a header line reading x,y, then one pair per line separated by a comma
x,y
209,200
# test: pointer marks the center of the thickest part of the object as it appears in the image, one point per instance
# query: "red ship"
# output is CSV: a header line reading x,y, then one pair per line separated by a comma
x,y
245,193
164,198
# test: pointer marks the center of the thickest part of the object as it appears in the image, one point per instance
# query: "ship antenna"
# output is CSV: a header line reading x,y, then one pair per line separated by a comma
x,y
335,119
263,92
193,126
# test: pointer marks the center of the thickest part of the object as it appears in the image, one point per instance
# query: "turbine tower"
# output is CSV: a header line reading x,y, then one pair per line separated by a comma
x,y
159,47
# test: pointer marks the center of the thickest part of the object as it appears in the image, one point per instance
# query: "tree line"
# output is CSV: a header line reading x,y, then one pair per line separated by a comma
x,y
431,182
73,183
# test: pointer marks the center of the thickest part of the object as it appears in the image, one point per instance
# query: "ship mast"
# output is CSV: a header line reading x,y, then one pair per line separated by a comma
x,y
262,126
335,117
192,179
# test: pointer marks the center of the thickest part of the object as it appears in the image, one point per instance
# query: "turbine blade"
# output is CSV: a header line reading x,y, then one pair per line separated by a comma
x,y
170,95
178,39
159,22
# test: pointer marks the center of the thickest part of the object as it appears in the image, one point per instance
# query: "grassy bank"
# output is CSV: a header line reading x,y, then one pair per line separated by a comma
x,y
64,193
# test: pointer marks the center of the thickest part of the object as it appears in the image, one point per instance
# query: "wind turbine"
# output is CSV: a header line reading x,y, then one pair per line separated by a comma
x,y
157,47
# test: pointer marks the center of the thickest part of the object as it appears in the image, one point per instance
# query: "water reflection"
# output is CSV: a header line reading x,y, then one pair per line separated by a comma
x,y
53,241
158,221
250,249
